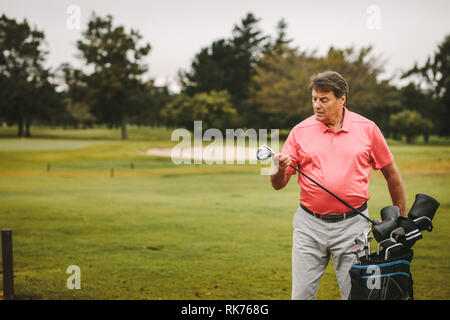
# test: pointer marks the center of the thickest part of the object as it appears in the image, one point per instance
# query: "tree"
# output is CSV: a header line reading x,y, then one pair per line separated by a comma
x,y
211,69
278,90
435,75
248,42
388,102
26,91
79,113
414,98
280,86
281,39
117,59
227,64
411,124
213,108
76,97
151,100
361,70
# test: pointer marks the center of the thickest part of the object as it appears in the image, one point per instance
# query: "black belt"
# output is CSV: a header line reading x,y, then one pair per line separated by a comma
x,y
335,217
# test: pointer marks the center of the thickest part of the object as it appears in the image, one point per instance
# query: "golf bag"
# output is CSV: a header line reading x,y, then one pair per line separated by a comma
x,y
386,275
380,279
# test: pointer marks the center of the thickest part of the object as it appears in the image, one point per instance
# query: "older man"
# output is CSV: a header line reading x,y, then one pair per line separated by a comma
x,y
337,148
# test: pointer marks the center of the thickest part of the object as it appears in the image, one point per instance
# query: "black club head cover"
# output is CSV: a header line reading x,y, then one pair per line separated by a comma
x,y
412,233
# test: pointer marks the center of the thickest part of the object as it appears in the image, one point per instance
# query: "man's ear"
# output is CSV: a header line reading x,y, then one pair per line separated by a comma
x,y
343,99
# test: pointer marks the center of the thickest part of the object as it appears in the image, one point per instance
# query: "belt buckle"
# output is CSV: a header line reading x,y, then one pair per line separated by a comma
x,y
338,218
331,218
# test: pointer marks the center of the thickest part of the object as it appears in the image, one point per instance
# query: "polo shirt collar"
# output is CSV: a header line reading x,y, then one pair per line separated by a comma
x,y
345,123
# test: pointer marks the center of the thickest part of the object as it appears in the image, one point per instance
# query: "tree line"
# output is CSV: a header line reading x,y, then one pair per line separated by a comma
x,y
247,80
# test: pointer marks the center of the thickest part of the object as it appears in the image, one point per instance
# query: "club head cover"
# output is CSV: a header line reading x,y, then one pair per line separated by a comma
x,y
423,211
382,231
390,212
412,233
424,205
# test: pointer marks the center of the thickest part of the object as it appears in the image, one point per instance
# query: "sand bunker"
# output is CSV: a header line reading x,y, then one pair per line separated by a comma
x,y
208,153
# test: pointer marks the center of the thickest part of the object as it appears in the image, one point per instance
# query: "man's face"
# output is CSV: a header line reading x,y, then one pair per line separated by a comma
x,y
327,108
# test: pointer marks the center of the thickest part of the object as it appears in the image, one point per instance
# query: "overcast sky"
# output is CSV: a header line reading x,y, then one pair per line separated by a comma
x,y
406,31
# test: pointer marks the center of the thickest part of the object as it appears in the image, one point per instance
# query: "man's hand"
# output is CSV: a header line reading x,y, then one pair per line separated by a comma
x,y
280,179
282,161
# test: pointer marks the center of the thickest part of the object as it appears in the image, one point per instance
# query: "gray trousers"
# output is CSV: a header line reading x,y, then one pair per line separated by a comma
x,y
314,241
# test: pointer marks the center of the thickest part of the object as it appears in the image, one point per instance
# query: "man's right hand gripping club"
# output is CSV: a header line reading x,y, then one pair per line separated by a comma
x,y
280,179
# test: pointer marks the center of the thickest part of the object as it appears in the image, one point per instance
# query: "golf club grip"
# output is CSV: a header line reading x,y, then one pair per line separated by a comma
x,y
331,193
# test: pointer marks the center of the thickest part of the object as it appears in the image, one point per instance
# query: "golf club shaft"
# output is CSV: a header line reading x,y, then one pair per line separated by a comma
x,y
355,210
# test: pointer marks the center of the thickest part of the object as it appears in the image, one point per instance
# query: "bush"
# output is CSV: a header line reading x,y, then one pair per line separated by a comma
x,y
213,108
410,124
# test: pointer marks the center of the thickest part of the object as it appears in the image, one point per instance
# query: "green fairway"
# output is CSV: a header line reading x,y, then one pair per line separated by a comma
x,y
44,144
155,230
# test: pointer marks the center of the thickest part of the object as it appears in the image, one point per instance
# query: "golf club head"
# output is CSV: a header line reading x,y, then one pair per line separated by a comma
x,y
386,243
361,238
356,249
398,232
390,212
423,206
395,248
424,223
383,230
264,152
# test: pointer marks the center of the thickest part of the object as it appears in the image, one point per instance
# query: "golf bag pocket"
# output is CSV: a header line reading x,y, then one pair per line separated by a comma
x,y
377,279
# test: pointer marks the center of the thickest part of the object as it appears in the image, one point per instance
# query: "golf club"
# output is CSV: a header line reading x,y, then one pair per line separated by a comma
x,y
424,223
359,239
385,243
356,250
387,255
367,240
264,152
391,240
397,232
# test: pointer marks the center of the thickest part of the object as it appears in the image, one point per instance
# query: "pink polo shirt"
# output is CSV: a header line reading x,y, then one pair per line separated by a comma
x,y
340,161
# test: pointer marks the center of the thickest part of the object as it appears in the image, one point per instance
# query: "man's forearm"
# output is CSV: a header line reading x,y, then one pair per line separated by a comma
x,y
396,188
279,180
397,192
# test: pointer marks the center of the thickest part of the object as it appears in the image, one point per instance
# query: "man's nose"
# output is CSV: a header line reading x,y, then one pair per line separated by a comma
x,y
317,105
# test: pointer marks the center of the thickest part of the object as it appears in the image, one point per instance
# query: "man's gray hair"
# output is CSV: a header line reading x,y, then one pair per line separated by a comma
x,y
330,81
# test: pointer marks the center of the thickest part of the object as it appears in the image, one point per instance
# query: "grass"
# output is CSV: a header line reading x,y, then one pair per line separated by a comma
x,y
161,231
135,133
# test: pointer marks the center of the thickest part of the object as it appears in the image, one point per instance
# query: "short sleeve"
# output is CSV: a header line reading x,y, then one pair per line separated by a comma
x,y
380,154
290,149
